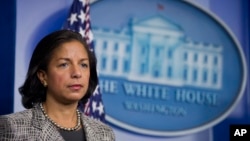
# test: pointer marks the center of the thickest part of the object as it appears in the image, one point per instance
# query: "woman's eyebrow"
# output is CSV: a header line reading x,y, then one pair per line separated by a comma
x,y
68,59
62,58
84,59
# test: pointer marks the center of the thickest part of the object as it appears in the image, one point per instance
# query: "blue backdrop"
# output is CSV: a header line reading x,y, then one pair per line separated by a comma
x,y
221,131
7,54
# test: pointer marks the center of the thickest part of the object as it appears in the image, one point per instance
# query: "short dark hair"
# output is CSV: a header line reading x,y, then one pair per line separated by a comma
x,y
32,91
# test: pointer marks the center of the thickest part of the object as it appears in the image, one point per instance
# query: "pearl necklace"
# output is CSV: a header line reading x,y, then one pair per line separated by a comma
x,y
60,127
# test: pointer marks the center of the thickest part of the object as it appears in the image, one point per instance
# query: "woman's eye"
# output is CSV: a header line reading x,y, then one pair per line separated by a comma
x,y
84,65
63,65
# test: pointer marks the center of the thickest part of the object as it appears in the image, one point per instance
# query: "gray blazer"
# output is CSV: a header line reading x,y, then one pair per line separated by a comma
x,y
31,125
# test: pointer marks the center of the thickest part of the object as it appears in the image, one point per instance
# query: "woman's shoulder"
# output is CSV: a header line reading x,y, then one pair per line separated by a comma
x,y
11,123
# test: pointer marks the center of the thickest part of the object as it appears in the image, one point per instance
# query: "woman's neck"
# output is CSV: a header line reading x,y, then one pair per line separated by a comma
x,y
62,114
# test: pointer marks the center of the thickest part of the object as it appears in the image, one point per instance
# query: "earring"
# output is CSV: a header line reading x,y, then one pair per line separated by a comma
x,y
45,84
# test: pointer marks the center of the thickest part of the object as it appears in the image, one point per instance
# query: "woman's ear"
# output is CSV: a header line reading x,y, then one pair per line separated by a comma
x,y
41,74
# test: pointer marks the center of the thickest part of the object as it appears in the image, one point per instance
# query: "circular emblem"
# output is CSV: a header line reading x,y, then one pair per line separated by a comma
x,y
166,68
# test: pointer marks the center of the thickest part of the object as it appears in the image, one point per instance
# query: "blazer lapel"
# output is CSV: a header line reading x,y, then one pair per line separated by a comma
x,y
90,134
46,129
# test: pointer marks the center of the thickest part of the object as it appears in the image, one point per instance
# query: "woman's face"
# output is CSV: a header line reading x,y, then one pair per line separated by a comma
x,y
68,73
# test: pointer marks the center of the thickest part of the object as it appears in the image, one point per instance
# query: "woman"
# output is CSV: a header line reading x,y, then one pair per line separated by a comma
x,y
61,75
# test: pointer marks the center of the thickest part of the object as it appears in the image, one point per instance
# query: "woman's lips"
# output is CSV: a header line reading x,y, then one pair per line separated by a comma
x,y
75,87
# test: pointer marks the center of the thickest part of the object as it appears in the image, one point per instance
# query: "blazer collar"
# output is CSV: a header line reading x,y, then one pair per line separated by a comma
x,y
90,131
86,126
47,129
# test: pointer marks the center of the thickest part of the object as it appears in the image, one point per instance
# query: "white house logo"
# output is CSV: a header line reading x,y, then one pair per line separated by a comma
x,y
168,69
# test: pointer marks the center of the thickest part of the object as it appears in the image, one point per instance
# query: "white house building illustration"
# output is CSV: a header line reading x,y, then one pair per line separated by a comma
x,y
156,50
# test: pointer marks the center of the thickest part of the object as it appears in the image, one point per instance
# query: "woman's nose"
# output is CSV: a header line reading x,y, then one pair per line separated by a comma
x,y
76,72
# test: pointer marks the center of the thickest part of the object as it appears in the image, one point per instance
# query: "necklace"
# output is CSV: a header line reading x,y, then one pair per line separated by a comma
x,y
60,127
